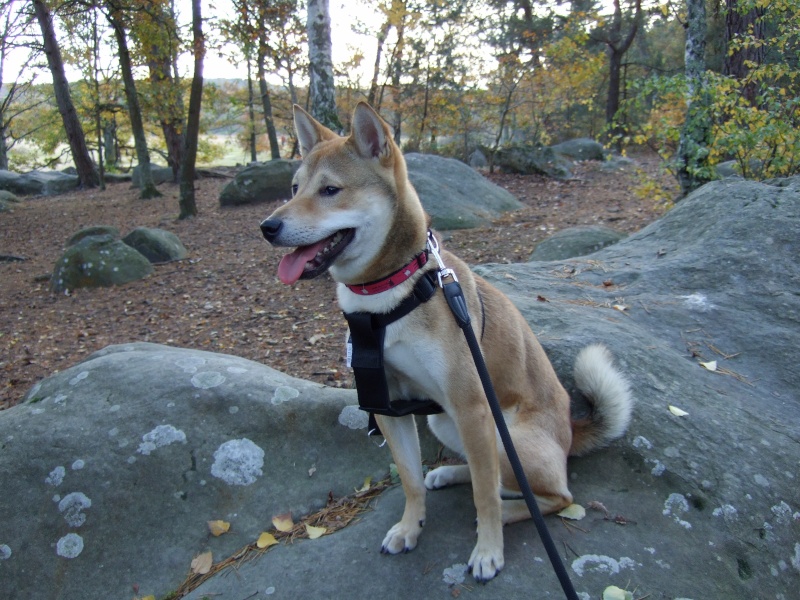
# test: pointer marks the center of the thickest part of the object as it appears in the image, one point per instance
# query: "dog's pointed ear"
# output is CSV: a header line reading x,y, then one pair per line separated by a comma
x,y
370,134
309,131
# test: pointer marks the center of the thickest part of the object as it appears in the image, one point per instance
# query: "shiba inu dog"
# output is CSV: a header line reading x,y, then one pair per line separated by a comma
x,y
355,214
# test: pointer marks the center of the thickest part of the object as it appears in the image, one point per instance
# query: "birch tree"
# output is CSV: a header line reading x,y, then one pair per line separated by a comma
x,y
320,67
691,160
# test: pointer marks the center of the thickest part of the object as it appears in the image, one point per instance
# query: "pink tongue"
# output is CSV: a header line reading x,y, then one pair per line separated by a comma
x,y
292,265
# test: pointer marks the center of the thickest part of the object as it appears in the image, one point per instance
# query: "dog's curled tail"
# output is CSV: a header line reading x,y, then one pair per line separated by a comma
x,y
609,396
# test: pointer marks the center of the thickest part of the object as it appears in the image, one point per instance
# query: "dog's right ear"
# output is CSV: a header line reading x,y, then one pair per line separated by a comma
x,y
309,131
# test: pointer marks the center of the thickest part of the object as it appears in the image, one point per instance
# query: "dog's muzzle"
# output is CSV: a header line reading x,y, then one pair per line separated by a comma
x,y
270,228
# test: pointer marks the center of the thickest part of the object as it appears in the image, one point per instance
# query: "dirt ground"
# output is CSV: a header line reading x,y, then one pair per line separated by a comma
x,y
226,296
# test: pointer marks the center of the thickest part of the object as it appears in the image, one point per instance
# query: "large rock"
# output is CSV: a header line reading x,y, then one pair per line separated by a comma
x,y
575,241
112,469
581,149
455,195
157,245
93,230
260,182
533,160
160,174
98,261
134,431
38,183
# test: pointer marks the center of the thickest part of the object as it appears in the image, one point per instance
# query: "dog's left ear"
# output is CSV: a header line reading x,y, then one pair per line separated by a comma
x,y
370,133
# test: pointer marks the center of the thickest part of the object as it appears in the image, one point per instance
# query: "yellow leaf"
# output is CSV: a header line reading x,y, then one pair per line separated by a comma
x,y
620,307
217,528
574,511
283,522
678,412
150,597
710,365
265,540
365,487
315,532
612,592
202,564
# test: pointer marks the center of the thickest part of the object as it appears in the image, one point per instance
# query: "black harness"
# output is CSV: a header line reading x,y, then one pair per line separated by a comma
x,y
365,354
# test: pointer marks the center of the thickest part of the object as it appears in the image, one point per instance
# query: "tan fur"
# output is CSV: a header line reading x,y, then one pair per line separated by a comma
x,y
425,352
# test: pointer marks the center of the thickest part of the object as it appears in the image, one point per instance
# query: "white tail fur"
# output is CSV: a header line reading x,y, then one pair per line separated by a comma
x,y
609,395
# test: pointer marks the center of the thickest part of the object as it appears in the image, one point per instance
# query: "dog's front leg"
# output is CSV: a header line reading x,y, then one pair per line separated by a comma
x,y
478,434
401,435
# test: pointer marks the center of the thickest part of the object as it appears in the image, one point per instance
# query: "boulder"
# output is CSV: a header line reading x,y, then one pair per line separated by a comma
x,y
159,173
111,469
94,230
260,182
98,261
455,195
575,241
157,245
581,149
8,197
533,160
477,160
38,183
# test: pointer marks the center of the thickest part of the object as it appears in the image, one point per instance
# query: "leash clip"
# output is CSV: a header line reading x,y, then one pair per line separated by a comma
x,y
444,272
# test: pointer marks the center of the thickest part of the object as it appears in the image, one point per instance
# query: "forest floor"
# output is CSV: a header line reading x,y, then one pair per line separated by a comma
x,y
225,297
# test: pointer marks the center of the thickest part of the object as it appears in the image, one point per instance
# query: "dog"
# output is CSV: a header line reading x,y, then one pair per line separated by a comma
x,y
355,214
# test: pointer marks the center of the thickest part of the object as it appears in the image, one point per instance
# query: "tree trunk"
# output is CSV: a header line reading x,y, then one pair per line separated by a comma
x,y
376,71
617,47
266,102
110,143
251,112
148,187
737,24
87,175
692,155
187,200
320,65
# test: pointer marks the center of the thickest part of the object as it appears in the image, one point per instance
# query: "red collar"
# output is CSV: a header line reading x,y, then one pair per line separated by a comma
x,y
393,280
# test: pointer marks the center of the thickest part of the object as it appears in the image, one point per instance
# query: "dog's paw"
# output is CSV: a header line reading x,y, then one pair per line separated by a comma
x,y
401,538
447,475
485,562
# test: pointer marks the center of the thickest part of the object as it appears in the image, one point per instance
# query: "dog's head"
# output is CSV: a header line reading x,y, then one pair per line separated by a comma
x,y
344,199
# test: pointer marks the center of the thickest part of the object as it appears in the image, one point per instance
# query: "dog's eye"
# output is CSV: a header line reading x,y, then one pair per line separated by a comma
x,y
329,191
294,189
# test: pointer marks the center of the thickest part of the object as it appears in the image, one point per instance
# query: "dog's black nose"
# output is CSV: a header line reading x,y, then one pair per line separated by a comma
x,y
270,228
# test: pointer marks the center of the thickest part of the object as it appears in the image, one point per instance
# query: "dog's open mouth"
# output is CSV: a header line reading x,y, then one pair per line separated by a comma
x,y
307,262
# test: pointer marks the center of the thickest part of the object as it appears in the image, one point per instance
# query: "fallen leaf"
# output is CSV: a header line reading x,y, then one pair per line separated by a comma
x,y
509,276
612,592
365,487
312,470
202,564
620,307
710,365
150,597
574,512
541,298
677,411
217,528
265,540
283,522
608,283
315,532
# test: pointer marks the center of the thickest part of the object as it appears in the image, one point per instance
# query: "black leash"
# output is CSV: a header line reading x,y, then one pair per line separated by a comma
x,y
458,305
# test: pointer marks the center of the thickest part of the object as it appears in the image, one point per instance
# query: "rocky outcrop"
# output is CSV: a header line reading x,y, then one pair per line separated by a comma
x,y
98,261
157,245
581,149
260,182
575,241
455,195
121,460
38,183
533,160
